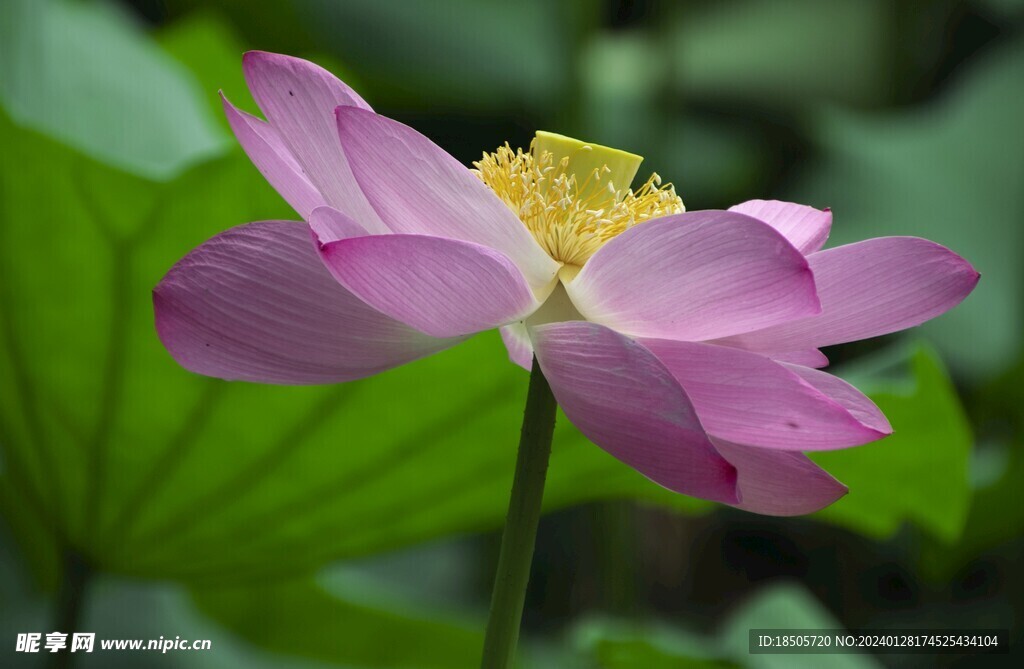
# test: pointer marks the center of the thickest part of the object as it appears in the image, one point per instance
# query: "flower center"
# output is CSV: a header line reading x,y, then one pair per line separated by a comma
x,y
572,196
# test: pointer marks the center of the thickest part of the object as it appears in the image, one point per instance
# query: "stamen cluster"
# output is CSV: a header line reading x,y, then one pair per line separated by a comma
x,y
571,220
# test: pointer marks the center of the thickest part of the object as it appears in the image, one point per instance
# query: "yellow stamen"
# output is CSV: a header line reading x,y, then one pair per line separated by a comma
x,y
572,212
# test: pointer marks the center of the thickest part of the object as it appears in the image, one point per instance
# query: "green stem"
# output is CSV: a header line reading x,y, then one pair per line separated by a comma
x,y
521,524
68,610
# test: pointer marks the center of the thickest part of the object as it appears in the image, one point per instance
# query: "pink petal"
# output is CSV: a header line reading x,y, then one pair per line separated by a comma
x,y
805,227
330,225
811,357
695,276
256,304
273,159
625,401
747,398
298,98
780,483
417,188
443,287
517,341
872,288
862,408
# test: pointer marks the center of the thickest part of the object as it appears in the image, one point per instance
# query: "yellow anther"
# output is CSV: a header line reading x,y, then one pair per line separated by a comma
x,y
564,192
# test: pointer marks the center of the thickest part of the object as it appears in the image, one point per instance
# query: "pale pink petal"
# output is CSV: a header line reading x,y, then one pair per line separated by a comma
x,y
695,276
256,304
417,188
625,401
747,398
805,227
842,392
517,341
273,159
299,98
872,288
330,225
443,287
811,357
780,483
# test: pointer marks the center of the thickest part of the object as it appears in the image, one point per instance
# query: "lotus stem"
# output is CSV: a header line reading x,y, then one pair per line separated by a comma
x,y
520,533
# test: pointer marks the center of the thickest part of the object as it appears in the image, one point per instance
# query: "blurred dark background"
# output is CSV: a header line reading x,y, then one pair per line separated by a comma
x,y
347,537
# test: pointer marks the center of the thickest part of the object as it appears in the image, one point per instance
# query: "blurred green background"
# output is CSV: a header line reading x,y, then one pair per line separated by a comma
x,y
357,525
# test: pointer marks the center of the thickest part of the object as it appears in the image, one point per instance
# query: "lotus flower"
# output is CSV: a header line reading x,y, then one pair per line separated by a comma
x,y
684,344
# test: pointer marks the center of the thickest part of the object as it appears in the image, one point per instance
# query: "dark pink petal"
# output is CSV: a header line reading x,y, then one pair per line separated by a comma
x,y
443,287
517,342
330,225
273,159
780,483
299,98
872,288
811,357
256,304
747,398
842,392
417,188
695,276
805,227
625,401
